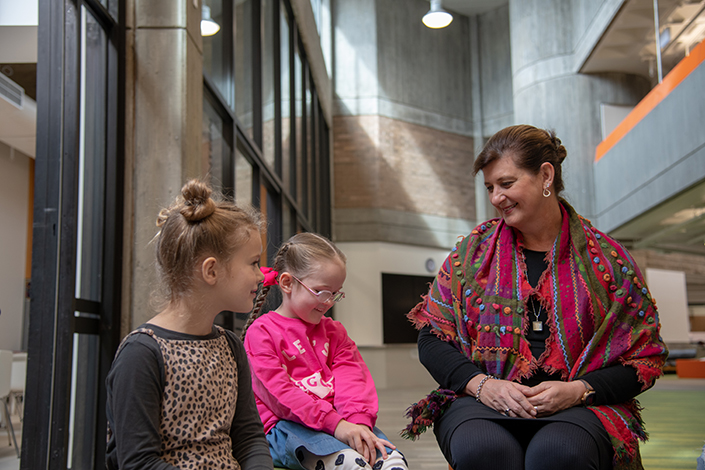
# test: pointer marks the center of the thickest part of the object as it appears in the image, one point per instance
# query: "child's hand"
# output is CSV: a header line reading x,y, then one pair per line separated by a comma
x,y
361,439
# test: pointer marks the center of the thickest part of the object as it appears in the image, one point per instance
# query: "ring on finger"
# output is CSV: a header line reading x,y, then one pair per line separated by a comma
x,y
506,412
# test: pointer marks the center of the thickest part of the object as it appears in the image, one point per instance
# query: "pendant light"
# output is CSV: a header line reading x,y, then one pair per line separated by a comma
x,y
437,17
208,26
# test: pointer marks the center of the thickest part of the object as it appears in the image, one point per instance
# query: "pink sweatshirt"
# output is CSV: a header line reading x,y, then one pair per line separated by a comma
x,y
310,374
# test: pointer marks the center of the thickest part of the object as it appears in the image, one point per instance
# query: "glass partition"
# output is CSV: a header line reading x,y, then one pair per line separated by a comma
x,y
298,124
244,179
217,48
288,177
269,160
244,66
269,58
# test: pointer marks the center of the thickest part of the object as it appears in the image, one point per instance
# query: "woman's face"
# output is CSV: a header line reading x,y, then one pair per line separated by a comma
x,y
517,193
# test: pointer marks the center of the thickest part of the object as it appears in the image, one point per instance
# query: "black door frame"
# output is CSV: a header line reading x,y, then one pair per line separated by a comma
x,y
53,303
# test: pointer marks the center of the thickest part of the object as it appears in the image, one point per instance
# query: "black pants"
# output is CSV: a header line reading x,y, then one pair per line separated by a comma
x,y
491,441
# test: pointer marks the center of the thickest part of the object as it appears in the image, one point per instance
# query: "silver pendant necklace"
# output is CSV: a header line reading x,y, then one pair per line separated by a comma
x,y
536,325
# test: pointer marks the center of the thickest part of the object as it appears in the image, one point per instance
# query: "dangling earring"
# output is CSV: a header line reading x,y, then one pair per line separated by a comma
x,y
546,192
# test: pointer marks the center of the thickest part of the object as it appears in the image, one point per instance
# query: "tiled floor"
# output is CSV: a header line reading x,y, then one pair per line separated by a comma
x,y
8,457
422,454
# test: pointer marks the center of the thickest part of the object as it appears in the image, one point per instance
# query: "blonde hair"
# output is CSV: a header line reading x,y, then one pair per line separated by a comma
x,y
194,226
298,257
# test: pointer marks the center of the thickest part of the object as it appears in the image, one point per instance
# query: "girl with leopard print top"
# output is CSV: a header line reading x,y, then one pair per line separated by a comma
x,y
179,390
314,393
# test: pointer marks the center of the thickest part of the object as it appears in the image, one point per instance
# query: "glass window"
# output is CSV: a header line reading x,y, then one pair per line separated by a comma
x,y
243,179
316,174
324,226
276,108
243,65
681,31
84,406
91,171
298,122
274,224
215,149
309,181
89,237
268,95
287,225
216,49
285,64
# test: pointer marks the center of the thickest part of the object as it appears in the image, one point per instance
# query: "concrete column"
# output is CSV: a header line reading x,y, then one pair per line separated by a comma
x,y
549,91
163,132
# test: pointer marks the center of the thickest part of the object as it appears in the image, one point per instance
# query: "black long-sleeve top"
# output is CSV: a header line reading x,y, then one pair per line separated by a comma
x,y
138,411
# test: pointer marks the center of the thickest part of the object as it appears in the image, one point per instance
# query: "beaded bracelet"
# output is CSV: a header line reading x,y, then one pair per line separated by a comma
x,y
482,383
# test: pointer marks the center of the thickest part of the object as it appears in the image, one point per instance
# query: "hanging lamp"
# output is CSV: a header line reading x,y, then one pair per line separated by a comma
x,y
208,26
437,17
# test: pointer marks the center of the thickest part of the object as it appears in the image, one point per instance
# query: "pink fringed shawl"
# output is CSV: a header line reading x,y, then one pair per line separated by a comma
x,y
600,313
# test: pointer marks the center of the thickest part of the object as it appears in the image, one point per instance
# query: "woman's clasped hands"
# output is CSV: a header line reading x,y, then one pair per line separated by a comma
x,y
520,401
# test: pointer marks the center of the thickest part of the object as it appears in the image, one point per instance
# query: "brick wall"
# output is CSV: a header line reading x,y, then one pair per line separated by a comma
x,y
384,163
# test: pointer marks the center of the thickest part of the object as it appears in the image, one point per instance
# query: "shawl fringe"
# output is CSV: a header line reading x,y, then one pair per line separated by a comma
x,y
425,412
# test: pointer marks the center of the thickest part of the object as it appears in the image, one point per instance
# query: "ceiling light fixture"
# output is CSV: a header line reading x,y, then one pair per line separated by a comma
x,y
437,17
208,26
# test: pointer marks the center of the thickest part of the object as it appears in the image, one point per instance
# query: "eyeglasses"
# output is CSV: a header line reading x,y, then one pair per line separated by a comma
x,y
323,296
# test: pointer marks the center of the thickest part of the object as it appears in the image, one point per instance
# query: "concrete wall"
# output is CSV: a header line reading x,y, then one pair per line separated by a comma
x,y
387,63
424,74
549,41
403,125
14,193
163,131
355,82
495,71
663,154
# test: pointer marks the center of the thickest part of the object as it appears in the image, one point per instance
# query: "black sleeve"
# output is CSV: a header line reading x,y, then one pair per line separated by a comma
x,y
135,386
250,447
446,364
613,385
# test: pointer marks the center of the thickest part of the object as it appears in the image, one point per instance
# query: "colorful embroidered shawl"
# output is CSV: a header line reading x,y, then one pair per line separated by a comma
x,y
607,315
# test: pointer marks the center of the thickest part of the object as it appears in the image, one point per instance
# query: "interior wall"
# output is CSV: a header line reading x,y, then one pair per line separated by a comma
x,y
423,74
668,290
495,71
14,192
361,311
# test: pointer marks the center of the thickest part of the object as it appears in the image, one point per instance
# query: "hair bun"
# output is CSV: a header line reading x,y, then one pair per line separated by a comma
x,y
197,201
161,218
560,150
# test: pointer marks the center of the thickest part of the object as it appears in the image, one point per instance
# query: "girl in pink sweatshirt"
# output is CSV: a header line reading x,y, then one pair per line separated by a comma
x,y
314,393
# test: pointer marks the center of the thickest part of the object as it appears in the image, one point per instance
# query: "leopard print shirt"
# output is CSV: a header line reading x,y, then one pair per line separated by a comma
x,y
198,403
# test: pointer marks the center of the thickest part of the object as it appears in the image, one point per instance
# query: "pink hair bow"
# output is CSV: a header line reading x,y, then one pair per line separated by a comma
x,y
270,276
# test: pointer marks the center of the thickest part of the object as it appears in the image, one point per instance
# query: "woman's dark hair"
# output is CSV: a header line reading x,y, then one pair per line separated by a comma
x,y
529,146
193,226
298,256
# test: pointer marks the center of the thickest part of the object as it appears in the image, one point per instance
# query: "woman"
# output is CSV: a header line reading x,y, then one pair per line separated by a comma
x,y
539,326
